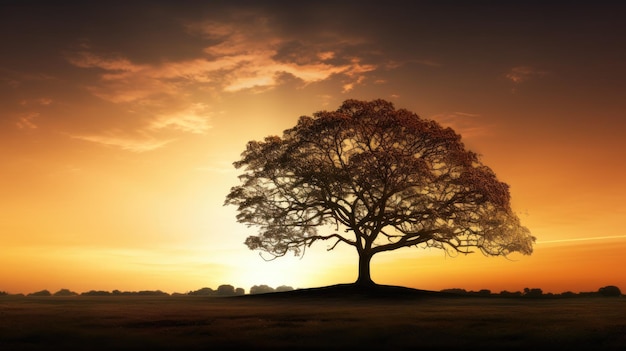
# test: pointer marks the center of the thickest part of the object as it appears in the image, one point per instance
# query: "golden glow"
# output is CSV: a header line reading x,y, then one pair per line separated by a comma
x,y
117,148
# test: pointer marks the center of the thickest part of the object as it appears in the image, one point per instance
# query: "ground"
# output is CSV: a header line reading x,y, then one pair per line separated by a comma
x,y
339,317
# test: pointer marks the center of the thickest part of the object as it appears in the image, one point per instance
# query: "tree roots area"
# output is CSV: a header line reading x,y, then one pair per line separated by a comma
x,y
331,318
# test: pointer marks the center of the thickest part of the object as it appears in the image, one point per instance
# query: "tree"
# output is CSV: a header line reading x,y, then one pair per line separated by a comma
x,y
41,293
225,290
65,292
379,179
610,290
203,292
282,288
261,289
533,292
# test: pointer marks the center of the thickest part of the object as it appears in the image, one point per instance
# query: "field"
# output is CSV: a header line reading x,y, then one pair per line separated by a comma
x,y
311,321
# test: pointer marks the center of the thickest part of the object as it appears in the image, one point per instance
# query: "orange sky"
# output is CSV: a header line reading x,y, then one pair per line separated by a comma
x,y
119,124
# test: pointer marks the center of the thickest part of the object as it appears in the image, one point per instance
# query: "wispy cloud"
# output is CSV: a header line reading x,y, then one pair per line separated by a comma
x,y
193,119
591,238
521,74
467,124
238,62
87,59
15,79
36,102
239,56
26,121
393,64
130,144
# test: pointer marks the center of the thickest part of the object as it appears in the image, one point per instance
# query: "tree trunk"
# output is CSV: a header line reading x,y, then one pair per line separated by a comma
x,y
364,279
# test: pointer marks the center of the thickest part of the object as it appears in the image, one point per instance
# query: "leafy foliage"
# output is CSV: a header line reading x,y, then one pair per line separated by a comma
x,y
381,178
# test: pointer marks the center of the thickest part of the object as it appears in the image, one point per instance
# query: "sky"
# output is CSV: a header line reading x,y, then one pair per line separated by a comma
x,y
120,121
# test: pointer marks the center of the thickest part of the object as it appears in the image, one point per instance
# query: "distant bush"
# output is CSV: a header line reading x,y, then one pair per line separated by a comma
x,y
264,289
202,292
150,293
610,291
3,293
454,291
40,293
261,289
65,292
283,288
510,294
534,292
96,293
225,290
222,290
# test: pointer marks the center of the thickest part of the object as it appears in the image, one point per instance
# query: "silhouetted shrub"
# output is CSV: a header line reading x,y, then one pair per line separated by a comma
x,y
484,292
240,291
261,289
283,288
96,293
534,292
3,293
202,292
40,293
455,291
225,290
151,293
65,292
568,294
610,291
510,294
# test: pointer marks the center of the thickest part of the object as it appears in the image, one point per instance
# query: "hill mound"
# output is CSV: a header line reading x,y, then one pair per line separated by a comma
x,y
352,291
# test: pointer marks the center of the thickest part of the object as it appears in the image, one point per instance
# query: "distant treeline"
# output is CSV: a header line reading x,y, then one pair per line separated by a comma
x,y
608,291
222,290
229,290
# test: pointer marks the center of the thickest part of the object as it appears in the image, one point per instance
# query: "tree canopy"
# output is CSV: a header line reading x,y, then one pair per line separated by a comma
x,y
378,179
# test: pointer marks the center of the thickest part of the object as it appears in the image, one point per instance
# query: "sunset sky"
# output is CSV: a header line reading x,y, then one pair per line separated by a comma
x,y
120,121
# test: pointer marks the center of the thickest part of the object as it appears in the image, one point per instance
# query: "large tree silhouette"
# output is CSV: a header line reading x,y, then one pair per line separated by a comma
x,y
378,179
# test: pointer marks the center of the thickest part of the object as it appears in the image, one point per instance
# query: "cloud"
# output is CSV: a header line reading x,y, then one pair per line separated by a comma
x,y
242,57
467,124
15,79
245,54
87,59
611,237
393,64
521,74
41,102
259,63
26,121
129,144
193,119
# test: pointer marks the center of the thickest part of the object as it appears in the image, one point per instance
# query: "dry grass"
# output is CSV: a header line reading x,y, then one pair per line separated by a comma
x,y
322,322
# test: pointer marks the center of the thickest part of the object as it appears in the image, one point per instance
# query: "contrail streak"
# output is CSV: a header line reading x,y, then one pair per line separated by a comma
x,y
582,239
